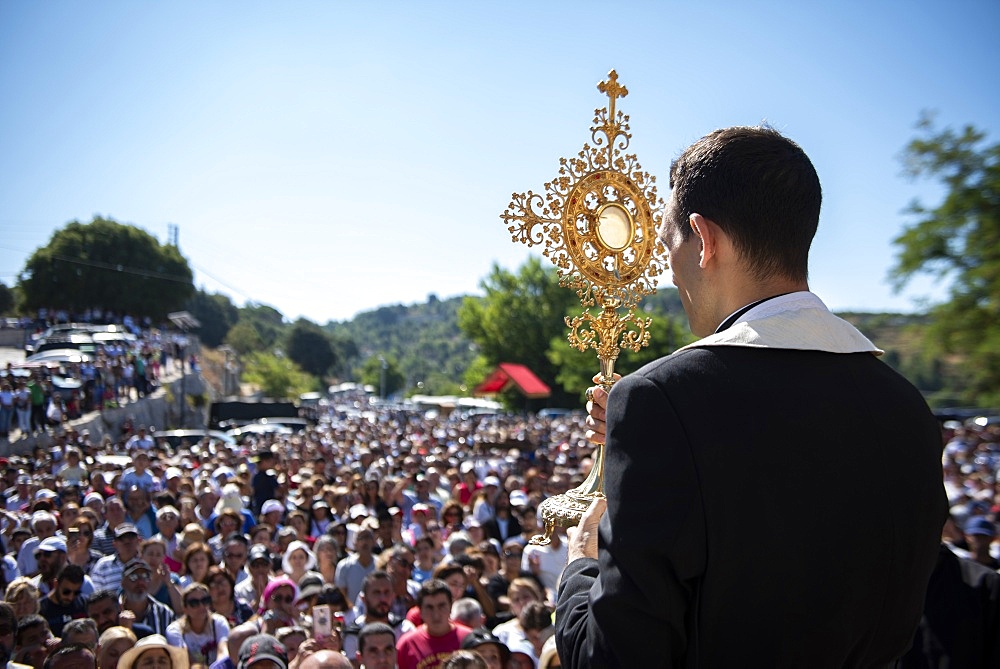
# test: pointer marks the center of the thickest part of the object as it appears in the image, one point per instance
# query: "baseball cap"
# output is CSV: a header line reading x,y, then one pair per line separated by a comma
x,y
125,528
491,480
134,565
358,511
172,473
310,585
93,497
45,493
982,526
482,636
262,647
259,552
52,544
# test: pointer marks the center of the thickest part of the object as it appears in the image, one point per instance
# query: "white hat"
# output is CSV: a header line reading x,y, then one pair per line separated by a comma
x,y
172,473
358,511
178,656
164,510
286,565
270,506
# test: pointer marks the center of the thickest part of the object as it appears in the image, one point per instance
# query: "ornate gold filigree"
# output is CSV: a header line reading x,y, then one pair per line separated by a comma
x,y
598,220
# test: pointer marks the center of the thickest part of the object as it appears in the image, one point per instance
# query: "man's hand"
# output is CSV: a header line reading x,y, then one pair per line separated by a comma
x,y
597,403
126,618
583,539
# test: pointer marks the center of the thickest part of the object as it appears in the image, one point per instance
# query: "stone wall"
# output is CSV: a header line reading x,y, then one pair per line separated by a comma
x,y
160,410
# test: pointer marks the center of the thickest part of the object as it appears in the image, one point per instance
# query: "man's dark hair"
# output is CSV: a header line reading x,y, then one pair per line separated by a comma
x,y
434,586
100,595
28,622
62,650
71,573
377,575
535,616
760,188
237,536
165,498
372,629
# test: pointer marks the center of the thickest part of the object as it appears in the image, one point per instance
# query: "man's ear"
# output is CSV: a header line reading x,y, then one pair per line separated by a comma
x,y
708,235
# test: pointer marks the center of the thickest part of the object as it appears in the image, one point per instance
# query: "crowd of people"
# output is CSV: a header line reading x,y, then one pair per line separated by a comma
x,y
35,397
372,540
393,540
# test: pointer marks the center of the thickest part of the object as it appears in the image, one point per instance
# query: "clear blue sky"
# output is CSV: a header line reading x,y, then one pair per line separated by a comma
x,y
330,157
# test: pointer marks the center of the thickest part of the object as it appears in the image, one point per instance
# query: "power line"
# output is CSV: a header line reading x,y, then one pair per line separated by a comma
x,y
126,270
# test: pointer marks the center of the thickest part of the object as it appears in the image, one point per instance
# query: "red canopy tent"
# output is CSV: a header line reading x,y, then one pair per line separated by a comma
x,y
509,374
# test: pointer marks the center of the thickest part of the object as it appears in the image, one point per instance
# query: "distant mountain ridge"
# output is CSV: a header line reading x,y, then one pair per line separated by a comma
x,y
430,347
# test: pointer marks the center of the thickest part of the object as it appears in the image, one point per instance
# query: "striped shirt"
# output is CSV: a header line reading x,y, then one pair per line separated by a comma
x,y
158,617
107,574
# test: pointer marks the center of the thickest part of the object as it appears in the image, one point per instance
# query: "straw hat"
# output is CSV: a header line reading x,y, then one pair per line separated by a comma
x,y
178,656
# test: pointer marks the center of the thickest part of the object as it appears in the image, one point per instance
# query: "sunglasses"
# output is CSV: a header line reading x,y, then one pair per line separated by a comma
x,y
404,563
235,556
283,599
512,553
69,593
139,576
204,601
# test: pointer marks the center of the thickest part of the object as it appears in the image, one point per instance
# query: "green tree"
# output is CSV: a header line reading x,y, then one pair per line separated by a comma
x,y
345,351
105,263
216,313
6,299
244,339
309,348
277,377
267,320
370,373
667,333
958,241
518,317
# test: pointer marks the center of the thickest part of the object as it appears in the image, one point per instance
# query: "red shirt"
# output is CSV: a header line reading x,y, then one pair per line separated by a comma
x,y
419,650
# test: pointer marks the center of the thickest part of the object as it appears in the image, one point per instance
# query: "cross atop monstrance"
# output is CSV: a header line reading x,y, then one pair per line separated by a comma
x,y
598,221
613,90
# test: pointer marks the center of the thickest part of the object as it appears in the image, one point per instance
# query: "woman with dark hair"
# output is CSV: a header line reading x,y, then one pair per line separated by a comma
x,y
371,496
200,631
197,559
452,517
221,587
226,523
79,537
339,533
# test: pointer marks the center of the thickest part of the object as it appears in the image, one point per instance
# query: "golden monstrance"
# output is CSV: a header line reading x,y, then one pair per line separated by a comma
x,y
598,221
